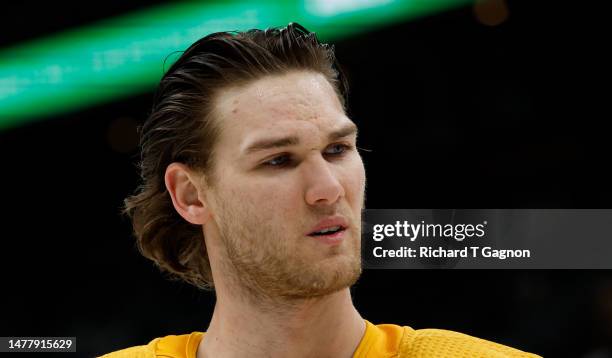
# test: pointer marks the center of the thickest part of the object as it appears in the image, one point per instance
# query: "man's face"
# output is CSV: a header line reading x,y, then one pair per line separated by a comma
x,y
286,166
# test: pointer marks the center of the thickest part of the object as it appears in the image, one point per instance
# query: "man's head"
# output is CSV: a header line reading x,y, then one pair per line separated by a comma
x,y
248,142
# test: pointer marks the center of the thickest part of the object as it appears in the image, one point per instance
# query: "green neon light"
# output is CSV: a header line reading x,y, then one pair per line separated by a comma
x,y
123,56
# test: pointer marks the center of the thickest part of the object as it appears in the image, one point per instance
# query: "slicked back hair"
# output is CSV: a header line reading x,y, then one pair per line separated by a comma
x,y
181,128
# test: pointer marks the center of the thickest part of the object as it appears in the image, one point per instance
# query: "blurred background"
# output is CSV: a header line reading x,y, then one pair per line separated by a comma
x,y
463,104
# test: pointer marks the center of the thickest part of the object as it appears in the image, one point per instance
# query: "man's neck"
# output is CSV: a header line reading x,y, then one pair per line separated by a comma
x,y
327,326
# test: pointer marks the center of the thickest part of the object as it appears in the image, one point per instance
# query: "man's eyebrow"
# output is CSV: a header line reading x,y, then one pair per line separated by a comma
x,y
269,143
345,131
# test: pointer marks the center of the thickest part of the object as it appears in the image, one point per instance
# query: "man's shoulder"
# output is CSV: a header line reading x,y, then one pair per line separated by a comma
x,y
145,351
179,346
443,343
390,340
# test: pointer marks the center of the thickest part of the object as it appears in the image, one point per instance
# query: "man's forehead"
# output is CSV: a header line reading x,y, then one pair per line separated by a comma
x,y
280,103
301,92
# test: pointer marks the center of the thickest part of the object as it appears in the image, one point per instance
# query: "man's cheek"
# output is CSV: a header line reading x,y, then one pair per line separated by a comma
x,y
356,180
270,200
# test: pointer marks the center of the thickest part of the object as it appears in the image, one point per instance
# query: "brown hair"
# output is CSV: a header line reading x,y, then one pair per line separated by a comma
x,y
180,129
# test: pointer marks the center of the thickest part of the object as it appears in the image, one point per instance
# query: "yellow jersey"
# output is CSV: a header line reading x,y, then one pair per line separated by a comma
x,y
385,340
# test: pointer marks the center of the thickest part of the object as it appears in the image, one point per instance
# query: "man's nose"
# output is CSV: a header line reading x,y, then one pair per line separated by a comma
x,y
322,184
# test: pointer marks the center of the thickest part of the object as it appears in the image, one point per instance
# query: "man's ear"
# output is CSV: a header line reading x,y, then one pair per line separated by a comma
x,y
186,191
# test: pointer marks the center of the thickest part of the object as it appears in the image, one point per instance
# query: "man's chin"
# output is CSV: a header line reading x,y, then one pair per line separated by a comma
x,y
290,275
324,278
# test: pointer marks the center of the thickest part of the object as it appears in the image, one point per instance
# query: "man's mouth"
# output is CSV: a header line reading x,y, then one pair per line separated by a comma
x,y
330,230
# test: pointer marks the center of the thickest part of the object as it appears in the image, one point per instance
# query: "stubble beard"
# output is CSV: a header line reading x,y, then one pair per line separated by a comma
x,y
262,265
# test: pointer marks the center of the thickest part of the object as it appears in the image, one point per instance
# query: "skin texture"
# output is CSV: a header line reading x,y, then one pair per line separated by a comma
x,y
280,292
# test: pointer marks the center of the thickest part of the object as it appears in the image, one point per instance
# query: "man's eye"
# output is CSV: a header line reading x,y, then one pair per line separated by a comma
x,y
337,149
279,161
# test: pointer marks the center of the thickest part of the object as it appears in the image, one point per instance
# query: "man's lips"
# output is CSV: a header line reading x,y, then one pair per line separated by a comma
x,y
334,225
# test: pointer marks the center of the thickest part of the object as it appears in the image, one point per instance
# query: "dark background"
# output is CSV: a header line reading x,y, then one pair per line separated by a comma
x,y
456,114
